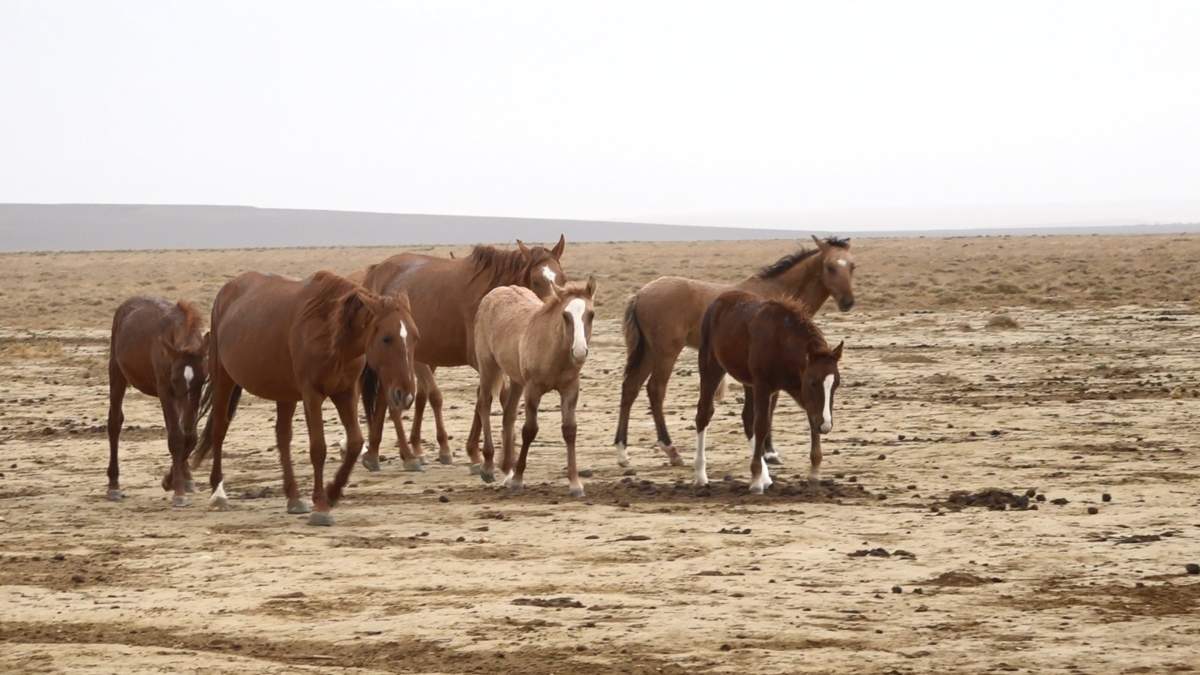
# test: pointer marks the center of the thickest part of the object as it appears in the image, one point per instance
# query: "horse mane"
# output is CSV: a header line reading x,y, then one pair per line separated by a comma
x,y
185,331
802,323
789,261
506,268
327,309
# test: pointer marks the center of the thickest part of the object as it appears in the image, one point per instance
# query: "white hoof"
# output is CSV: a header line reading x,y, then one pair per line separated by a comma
x,y
114,495
622,455
773,457
701,480
576,491
219,500
756,488
298,506
413,465
475,469
180,501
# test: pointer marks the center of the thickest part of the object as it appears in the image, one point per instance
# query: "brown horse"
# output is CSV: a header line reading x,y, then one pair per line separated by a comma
x,y
158,347
770,346
664,316
445,295
287,341
540,345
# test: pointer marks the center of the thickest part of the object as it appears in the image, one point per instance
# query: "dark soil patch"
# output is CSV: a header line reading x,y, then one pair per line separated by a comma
x,y
1165,599
956,579
990,498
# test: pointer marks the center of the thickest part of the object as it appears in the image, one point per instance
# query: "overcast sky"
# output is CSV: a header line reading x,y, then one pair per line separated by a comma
x,y
857,114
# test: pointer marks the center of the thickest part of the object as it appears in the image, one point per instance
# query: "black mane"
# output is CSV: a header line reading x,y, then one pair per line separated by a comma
x,y
788,261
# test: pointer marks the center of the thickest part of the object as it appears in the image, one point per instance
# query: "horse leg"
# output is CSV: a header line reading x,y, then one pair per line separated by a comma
x,y
635,377
173,480
435,402
488,375
219,414
284,411
316,452
771,455
533,396
814,455
711,376
347,409
414,439
116,418
656,389
473,452
568,398
511,401
412,460
761,477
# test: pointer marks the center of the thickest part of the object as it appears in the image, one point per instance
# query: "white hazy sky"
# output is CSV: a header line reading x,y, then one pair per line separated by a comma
x,y
857,114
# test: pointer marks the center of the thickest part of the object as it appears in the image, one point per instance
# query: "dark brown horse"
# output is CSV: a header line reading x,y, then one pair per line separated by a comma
x,y
159,347
445,296
287,341
664,316
769,346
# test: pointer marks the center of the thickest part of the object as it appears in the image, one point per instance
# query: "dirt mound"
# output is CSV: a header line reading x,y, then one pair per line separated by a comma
x,y
990,498
954,579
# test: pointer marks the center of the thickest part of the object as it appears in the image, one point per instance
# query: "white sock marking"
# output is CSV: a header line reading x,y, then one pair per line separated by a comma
x,y
622,455
218,495
827,414
579,348
188,374
699,464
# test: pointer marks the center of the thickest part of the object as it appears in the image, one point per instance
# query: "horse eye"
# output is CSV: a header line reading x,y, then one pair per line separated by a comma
x,y
387,339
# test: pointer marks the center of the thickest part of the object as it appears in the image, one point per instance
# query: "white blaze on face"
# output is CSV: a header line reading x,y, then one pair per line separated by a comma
x,y
403,332
188,374
549,274
579,348
827,413
842,262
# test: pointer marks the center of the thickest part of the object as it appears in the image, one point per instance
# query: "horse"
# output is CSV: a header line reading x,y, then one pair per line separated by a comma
x,y
540,345
445,296
289,340
768,346
664,316
159,348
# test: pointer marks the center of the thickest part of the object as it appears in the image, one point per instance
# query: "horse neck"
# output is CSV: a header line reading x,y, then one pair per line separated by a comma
x,y
803,282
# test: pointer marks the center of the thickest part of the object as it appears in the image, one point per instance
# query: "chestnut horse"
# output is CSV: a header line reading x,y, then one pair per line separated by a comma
x,y
664,316
540,345
287,341
769,346
445,295
158,347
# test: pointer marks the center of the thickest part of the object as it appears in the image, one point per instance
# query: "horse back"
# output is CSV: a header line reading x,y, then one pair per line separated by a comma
x,y
670,310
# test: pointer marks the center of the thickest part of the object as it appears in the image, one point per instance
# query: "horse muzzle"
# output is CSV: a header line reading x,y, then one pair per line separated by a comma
x,y
401,399
844,304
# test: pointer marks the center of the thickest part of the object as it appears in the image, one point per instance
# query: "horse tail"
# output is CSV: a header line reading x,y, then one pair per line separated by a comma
x,y
635,339
205,443
370,390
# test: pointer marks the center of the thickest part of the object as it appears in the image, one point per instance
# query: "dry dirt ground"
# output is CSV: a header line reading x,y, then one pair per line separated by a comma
x,y
886,567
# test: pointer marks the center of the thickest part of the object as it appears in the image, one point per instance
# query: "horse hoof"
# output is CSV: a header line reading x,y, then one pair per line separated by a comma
x,y
371,463
487,477
180,501
700,482
321,518
422,459
445,459
298,506
114,495
475,469
413,465
672,454
219,501
515,486
773,458
576,491
756,489
189,486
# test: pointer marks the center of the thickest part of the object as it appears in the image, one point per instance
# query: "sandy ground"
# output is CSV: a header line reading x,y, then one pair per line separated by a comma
x,y
1094,392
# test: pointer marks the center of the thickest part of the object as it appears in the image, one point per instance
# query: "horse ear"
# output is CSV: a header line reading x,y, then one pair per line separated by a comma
x,y
820,244
591,286
837,351
557,251
524,250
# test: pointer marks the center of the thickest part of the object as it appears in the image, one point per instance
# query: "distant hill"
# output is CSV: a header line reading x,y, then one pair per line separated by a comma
x,y
78,227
